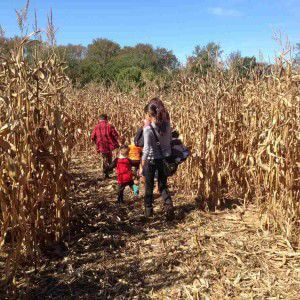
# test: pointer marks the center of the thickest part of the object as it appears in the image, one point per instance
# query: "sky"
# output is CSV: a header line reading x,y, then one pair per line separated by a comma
x,y
178,25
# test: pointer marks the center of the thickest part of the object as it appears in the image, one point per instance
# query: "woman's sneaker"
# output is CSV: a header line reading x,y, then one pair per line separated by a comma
x,y
148,212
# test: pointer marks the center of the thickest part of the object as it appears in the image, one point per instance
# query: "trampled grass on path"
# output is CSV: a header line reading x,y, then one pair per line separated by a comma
x,y
113,253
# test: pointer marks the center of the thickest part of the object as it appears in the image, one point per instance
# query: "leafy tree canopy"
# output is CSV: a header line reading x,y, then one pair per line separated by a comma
x,y
241,65
102,50
205,58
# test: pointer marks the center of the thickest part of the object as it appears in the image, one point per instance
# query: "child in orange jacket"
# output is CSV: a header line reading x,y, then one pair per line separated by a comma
x,y
135,155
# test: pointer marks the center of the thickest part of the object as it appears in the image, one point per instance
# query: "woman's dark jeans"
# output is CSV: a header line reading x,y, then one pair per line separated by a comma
x,y
150,169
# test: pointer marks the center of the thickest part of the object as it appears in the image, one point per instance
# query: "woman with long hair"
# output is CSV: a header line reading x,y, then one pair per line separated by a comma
x,y
153,154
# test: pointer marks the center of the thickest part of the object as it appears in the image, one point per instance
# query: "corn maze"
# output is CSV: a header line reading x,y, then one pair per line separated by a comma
x,y
243,134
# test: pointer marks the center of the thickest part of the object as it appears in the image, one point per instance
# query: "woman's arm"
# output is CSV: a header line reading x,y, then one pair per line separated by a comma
x,y
147,143
147,146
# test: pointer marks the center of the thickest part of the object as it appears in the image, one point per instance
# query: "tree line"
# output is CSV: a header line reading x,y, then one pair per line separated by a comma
x,y
106,61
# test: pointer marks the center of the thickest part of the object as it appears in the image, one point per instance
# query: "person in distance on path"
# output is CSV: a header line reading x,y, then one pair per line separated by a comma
x,y
105,136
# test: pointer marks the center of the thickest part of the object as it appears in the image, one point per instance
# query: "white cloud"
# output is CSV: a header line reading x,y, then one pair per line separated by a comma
x,y
224,12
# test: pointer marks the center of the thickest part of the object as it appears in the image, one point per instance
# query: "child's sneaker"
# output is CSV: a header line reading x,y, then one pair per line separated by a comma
x,y
136,190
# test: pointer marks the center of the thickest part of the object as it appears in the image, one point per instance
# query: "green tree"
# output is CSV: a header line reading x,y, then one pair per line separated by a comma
x,y
73,55
205,58
144,58
90,71
131,74
127,78
141,57
102,50
97,62
241,65
166,60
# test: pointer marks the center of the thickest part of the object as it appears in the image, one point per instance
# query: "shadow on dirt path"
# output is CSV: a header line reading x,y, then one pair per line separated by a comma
x,y
104,256
112,252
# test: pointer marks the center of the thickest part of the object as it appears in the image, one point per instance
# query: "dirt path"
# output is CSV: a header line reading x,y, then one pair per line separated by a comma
x,y
115,254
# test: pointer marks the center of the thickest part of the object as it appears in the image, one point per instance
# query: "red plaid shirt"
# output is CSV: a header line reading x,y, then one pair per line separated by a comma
x,y
105,136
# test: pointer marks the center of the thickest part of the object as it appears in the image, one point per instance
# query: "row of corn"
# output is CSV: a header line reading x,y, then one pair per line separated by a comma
x,y
36,137
244,134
